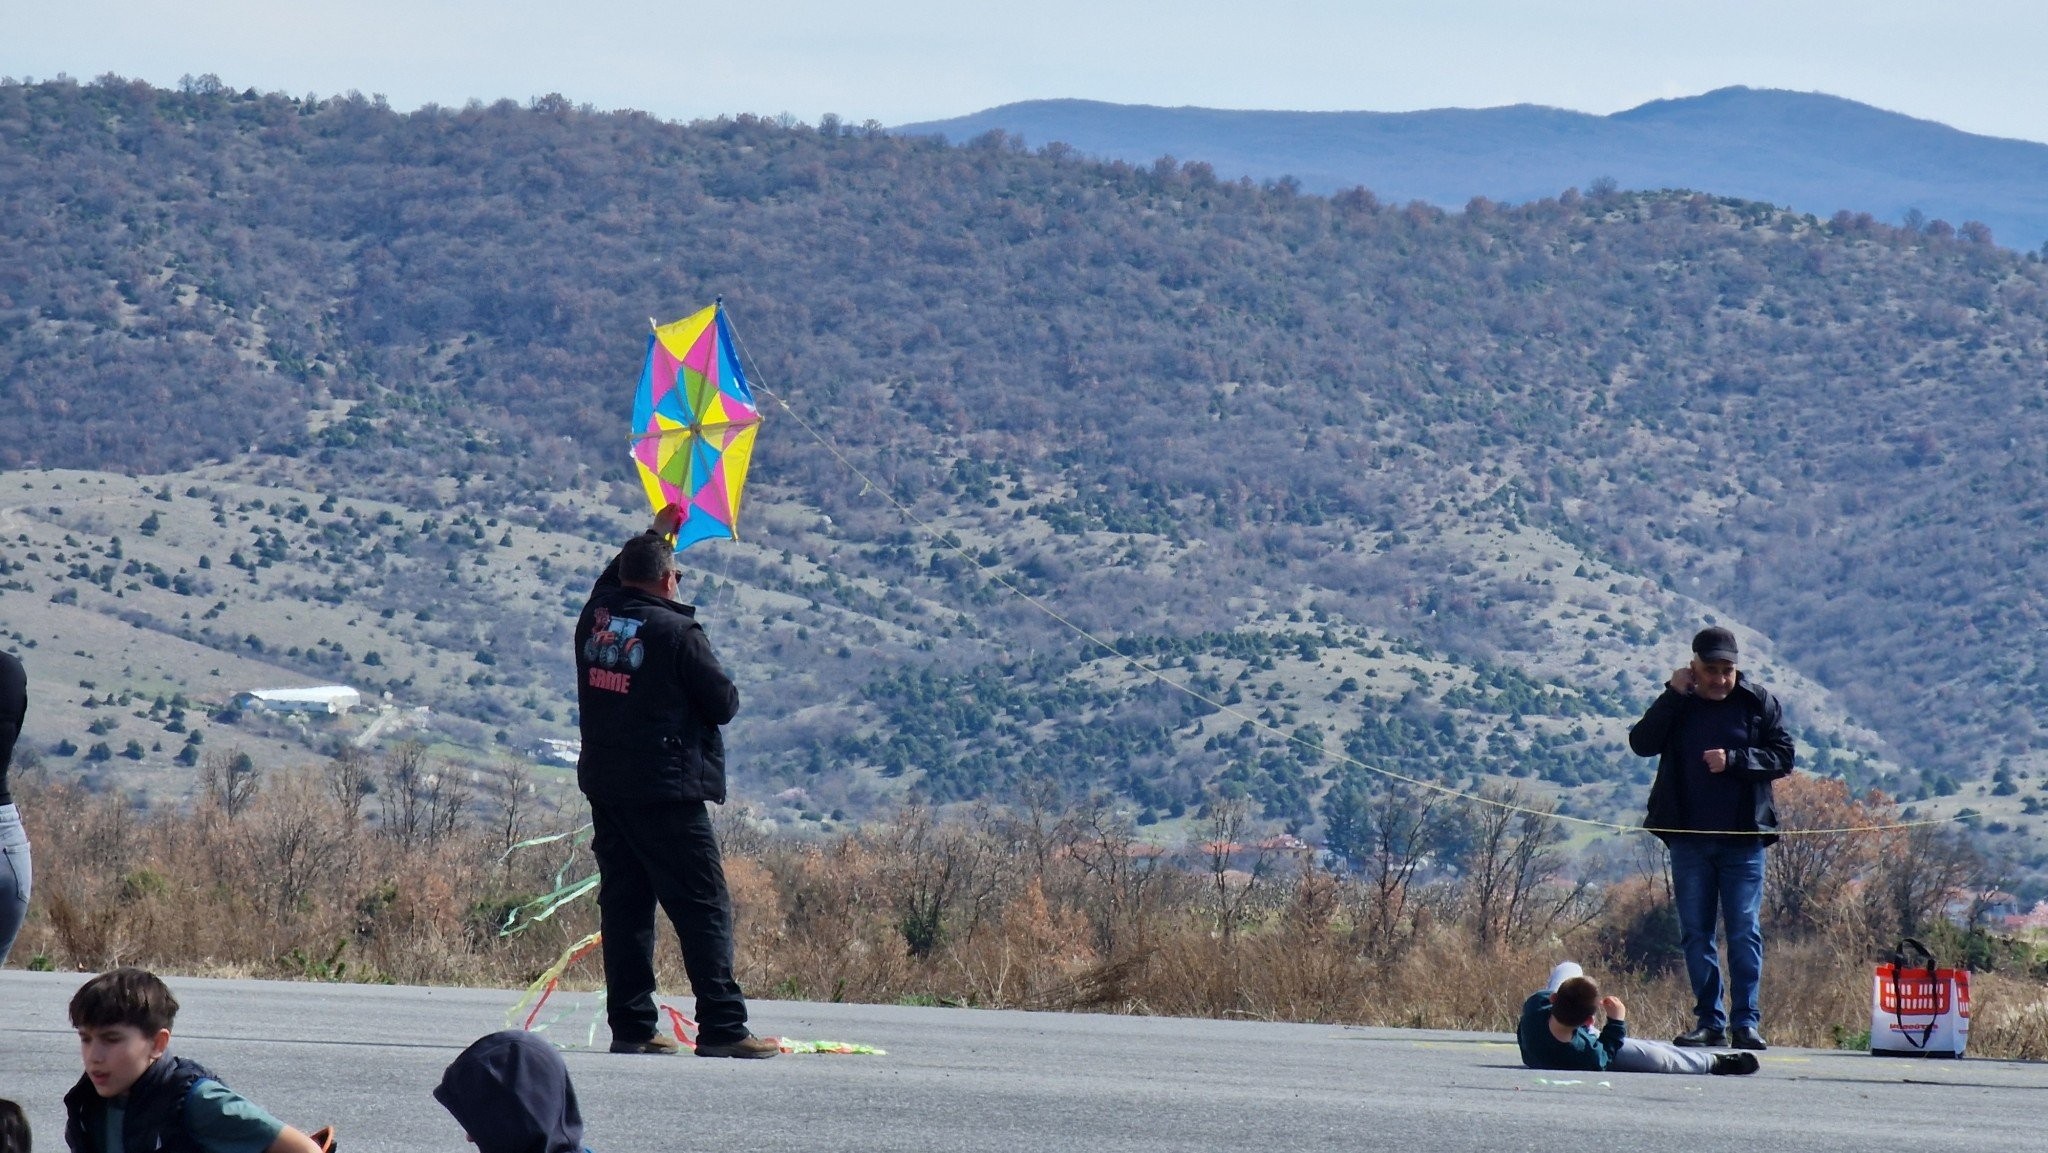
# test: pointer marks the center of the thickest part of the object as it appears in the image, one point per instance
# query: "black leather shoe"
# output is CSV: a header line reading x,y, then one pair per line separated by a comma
x,y
1746,1037
1704,1037
1734,1064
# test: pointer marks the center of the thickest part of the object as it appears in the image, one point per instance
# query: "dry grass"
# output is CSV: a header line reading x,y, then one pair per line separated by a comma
x,y
989,909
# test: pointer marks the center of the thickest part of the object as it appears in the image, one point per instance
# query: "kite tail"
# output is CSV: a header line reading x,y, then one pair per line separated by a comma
x,y
543,987
791,1045
680,1023
547,905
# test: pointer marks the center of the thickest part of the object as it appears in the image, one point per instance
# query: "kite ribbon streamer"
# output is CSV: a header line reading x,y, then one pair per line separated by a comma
x,y
679,1023
686,1030
543,987
547,904
564,892
791,1045
549,839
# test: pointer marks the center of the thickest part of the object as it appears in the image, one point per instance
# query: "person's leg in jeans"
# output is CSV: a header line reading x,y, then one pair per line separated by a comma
x,y
625,904
1638,1056
16,877
1740,873
1697,894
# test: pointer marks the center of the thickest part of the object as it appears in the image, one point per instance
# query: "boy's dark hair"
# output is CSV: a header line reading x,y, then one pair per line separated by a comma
x,y
646,559
1574,1001
124,997
13,1128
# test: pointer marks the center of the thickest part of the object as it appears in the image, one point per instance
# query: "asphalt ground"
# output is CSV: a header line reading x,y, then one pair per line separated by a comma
x,y
365,1057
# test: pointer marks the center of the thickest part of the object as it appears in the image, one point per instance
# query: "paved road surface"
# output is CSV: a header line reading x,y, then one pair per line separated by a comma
x,y
365,1058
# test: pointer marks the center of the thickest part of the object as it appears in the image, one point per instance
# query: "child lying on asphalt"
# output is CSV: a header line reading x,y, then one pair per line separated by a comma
x,y
1556,1032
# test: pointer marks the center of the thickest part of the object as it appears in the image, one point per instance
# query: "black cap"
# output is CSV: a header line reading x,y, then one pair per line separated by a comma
x,y
1714,644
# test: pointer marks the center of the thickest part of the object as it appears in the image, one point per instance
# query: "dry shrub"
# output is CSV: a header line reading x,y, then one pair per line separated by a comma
x,y
1444,982
1035,957
2008,1018
1031,910
1813,994
291,884
833,942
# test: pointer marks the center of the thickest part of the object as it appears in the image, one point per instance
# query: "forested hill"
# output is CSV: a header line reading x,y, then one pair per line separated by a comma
x,y
1238,430
1813,152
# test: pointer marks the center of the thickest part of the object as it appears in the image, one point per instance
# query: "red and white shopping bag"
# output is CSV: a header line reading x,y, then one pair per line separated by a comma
x,y
1919,1010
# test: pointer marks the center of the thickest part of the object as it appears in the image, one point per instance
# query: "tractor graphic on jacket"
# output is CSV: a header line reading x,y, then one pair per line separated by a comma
x,y
612,643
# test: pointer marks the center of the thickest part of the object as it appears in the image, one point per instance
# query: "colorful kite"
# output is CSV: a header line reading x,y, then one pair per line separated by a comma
x,y
693,425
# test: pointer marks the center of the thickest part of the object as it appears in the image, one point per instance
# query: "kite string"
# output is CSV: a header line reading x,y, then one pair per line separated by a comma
x,y
950,542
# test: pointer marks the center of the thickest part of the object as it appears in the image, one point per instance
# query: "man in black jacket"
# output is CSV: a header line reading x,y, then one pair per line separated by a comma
x,y
1720,741
651,696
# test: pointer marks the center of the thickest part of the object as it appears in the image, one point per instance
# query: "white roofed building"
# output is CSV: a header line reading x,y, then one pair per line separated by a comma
x,y
332,700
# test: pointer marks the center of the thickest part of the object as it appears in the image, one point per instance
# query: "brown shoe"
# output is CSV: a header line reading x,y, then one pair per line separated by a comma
x,y
655,1044
748,1046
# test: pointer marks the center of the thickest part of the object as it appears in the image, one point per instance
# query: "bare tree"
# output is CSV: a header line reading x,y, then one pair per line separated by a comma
x,y
1808,872
300,843
230,780
448,796
348,781
943,877
1407,827
1919,871
1232,889
1035,823
509,799
1512,858
1120,879
403,794
739,832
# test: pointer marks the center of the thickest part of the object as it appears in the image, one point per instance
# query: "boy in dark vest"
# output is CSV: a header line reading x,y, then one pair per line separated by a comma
x,y
136,1097
1556,1032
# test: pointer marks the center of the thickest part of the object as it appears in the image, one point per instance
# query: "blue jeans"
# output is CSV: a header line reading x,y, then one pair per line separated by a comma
x,y
15,877
1721,879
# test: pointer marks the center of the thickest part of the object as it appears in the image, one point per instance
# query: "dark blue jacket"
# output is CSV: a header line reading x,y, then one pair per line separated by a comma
x,y
651,696
154,1118
1766,755
510,1092
1585,1051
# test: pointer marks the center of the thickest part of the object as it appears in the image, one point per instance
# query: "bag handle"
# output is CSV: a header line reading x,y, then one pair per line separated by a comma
x,y
1898,1011
1899,954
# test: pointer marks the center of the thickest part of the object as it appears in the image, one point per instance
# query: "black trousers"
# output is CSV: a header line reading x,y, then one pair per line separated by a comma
x,y
666,853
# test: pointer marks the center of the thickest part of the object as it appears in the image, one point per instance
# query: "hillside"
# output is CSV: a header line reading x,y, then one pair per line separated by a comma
x,y
1440,492
1815,153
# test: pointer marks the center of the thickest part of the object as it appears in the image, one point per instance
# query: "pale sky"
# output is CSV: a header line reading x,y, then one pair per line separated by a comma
x,y
1974,64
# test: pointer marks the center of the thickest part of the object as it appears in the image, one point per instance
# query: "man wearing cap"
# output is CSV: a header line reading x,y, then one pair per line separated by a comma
x,y
1720,741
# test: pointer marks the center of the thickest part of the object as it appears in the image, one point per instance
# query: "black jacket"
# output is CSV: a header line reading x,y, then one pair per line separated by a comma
x,y
1767,756
651,697
154,1118
510,1092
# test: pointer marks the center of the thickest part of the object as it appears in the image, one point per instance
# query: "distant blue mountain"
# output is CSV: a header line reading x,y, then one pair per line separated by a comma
x,y
1812,152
